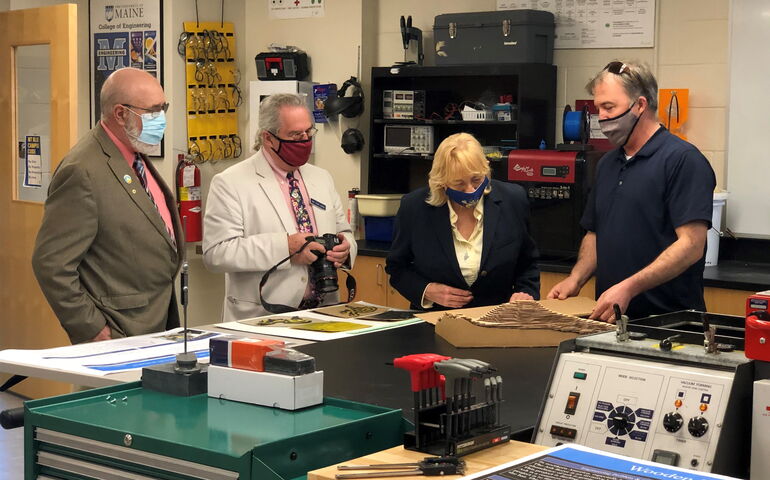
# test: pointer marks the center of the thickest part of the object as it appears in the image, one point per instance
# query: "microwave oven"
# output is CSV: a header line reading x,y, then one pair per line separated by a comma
x,y
408,139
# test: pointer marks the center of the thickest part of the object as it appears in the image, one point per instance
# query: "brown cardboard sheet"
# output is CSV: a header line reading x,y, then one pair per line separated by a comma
x,y
519,324
577,306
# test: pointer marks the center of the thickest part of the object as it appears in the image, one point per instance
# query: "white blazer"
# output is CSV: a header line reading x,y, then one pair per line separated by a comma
x,y
245,233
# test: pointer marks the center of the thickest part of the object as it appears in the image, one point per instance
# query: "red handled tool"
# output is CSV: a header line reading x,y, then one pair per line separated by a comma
x,y
427,383
424,376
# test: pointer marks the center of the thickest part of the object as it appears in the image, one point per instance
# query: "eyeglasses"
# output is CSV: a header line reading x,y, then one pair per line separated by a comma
x,y
298,136
617,68
153,112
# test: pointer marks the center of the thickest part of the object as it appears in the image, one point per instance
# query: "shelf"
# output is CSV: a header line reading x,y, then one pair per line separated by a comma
x,y
404,156
411,121
532,89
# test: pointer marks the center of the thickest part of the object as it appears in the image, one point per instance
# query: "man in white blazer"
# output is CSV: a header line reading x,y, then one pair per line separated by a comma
x,y
261,210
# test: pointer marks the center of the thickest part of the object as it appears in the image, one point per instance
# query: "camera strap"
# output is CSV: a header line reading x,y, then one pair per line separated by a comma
x,y
350,283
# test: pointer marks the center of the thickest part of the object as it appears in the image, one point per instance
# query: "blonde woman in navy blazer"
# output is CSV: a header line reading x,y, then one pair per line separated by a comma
x,y
463,241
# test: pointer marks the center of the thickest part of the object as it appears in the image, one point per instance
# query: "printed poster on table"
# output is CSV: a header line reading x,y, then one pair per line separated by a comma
x,y
123,33
582,463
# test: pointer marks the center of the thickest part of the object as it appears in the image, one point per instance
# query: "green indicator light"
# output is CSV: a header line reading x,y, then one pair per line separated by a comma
x,y
580,375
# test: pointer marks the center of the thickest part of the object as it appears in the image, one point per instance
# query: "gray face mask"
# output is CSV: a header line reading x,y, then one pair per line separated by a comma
x,y
618,129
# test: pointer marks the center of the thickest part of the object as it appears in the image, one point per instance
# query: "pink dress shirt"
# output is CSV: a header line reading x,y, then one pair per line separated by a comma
x,y
157,194
280,176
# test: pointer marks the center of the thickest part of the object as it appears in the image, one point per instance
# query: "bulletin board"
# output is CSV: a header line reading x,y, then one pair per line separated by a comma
x,y
626,24
748,155
213,92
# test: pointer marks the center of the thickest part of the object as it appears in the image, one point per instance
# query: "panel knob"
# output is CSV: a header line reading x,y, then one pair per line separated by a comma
x,y
672,421
621,420
698,426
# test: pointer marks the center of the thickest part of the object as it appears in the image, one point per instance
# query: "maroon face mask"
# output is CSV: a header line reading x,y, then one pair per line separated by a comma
x,y
294,152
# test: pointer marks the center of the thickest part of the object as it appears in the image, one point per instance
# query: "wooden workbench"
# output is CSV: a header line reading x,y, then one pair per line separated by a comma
x,y
475,462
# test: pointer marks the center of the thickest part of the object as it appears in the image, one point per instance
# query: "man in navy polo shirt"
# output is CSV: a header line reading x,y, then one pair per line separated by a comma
x,y
650,208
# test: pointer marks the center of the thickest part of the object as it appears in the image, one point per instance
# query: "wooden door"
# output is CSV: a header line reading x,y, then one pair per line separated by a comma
x,y
26,320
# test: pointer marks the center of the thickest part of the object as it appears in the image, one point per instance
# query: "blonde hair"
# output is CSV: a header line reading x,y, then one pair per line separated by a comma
x,y
458,156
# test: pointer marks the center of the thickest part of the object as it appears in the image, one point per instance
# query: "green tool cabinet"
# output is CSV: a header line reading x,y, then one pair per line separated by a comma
x,y
127,432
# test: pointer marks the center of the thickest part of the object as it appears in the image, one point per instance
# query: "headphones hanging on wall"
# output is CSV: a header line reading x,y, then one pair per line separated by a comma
x,y
350,106
352,141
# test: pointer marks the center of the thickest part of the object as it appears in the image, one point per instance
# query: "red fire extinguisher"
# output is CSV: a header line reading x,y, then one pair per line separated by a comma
x,y
188,190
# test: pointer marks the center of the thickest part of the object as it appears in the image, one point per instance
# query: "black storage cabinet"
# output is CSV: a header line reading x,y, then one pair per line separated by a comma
x,y
532,86
505,36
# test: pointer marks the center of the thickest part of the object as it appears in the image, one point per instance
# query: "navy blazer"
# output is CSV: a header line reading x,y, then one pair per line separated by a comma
x,y
423,249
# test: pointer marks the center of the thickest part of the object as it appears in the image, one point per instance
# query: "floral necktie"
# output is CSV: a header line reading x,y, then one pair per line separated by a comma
x,y
304,225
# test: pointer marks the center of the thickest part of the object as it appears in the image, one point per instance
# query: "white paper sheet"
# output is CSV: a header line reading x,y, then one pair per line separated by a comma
x,y
287,331
607,24
113,356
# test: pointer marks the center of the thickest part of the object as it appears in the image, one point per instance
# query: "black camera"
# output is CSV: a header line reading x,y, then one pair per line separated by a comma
x,y
322,271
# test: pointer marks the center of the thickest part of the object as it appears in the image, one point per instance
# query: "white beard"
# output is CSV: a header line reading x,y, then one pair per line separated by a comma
x,y
139,146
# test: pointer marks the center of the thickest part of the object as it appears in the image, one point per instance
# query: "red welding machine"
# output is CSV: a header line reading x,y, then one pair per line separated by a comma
x,y
541,166
758,301
557,185
758,336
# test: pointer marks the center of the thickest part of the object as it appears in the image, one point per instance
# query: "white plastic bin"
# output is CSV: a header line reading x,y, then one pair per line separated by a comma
x,y
712,238
382,205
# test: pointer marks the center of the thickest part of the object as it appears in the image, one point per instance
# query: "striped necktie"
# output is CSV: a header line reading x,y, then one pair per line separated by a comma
x,y
140,172
139,168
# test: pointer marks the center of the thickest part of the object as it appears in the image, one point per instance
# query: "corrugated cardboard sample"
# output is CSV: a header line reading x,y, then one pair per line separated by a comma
x,y
523,323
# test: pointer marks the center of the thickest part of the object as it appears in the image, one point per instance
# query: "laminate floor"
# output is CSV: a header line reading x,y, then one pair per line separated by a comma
x,y
11,443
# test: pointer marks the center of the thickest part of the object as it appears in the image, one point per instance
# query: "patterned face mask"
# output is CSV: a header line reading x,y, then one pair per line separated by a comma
x,y
467,200
619,129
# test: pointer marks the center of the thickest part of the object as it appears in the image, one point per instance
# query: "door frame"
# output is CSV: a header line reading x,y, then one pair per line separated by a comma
x,y
27,321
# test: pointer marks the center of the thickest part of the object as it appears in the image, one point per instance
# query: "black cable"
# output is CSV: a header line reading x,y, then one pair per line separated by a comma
x,y
222,18
197,19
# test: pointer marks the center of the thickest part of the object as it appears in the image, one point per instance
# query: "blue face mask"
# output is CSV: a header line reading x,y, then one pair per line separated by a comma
x,y
153,127
467,200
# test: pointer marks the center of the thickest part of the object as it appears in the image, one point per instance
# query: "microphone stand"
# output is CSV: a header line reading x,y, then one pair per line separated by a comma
x,y
185,362
185,377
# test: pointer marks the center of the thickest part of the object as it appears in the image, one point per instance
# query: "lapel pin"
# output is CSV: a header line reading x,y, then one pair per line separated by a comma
x,y
127,178
133,190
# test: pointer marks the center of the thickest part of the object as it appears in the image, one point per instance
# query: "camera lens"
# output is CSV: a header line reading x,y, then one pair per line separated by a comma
x,y
323,272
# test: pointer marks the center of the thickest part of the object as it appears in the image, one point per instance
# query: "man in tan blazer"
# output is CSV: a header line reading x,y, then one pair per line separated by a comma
x,y
106,253
262,209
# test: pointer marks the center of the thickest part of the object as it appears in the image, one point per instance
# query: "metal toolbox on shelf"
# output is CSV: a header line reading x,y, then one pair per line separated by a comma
x,y
506,36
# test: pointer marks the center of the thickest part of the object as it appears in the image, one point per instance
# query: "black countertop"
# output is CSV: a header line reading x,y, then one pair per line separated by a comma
x,y
730,274
356,368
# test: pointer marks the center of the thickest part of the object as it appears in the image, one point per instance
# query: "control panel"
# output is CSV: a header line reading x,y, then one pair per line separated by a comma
x,y
655,411
760,431
408,139
559,192
406,104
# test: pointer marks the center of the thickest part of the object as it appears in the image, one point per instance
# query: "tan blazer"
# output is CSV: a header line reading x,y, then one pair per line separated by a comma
x,y
103,254
245,228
